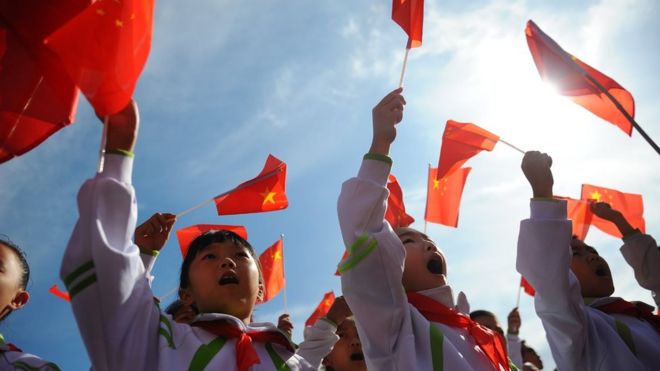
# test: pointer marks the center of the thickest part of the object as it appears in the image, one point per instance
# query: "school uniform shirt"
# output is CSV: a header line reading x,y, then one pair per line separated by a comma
x,y
393,333
12,358
121,325
319,339
580,336
642,253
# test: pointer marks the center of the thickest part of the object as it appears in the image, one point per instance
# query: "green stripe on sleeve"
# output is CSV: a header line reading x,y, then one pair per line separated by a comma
x,y
437,355
75,290
21,365
205,354
78,272
166,333
378,157
279,363
626,335
356,257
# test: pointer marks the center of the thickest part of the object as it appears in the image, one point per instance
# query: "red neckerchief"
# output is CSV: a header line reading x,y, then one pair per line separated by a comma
x,y
246,355
489,342
620,306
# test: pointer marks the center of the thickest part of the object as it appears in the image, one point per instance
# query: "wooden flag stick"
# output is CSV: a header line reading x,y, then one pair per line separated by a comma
x,y
286,305
428,177
104,138
512,146
403,69
191,209
518,299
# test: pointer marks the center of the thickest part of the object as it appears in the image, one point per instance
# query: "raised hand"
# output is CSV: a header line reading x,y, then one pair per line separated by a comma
x,y
536,167
605,211
386,114
338,311
154,232
513,322
122,128
285,325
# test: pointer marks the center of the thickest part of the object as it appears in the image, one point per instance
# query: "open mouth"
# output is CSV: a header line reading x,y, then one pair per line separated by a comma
x,y
602,271
358,356
435,265
228,278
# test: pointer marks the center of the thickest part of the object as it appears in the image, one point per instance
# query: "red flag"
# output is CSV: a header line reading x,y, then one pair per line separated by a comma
x,y
529,290
188,234
460,142
322,309
630,205
579,212
266,192
36,97
444,196
105,48
409,14
396,210
574,79
272,270
343,257
60,294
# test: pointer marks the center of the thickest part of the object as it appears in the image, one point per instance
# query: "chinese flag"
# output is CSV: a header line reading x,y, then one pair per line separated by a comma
x,y
396,210
444,196
104,49
187,235
264,193
343,257
579,212
322,309
59,293
574,78
460,142
409,14
272,270
629,204
36,96
529,290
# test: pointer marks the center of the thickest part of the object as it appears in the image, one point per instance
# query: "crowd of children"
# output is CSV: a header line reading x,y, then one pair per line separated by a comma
x,y
398,310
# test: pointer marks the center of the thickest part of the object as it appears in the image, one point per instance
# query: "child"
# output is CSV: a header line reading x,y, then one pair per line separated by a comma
x,y
513,342
565,272
333,341
14,276
122,327
421,330
530,357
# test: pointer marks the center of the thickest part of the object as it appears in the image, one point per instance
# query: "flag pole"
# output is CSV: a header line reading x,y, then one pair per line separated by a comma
x,y
511,145
518,299
428,177
168,294
403,69
286,305
25,107
104,138
620,108
191,209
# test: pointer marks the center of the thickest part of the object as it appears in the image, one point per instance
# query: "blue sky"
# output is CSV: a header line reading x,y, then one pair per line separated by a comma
x,y
229,82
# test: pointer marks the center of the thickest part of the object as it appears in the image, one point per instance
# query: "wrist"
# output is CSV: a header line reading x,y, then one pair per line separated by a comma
x,y
380,147
542,192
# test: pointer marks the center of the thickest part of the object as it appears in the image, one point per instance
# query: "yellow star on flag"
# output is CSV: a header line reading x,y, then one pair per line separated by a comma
x,y
268,196
595,196
277,255
436,183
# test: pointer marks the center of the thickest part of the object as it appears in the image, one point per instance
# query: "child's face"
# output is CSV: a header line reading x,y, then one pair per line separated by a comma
x,y
224,278
12,296
425,266
591,270
347,354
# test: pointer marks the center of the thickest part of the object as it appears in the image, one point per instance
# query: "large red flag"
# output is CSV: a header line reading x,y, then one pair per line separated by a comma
x,y
443,198
396,210
529,290
266,192
322,309
36,96
409,14
59,293
105,48
460,142
629,204
272,270
575,79
188,234
579,212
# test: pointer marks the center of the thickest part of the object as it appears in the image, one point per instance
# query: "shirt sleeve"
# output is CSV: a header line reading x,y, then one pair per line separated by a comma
x,y
514,348
319,341
110,294
371,273
544,256
641,252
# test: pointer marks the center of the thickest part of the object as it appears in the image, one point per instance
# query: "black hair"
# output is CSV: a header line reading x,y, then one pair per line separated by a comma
x,y
173,307
20,254
203,241
479,313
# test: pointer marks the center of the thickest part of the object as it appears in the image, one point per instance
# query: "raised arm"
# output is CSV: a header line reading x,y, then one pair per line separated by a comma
x,y
111,298
544,256
151,236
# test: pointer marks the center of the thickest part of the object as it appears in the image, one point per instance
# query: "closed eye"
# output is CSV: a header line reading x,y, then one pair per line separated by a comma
x,y
408,240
